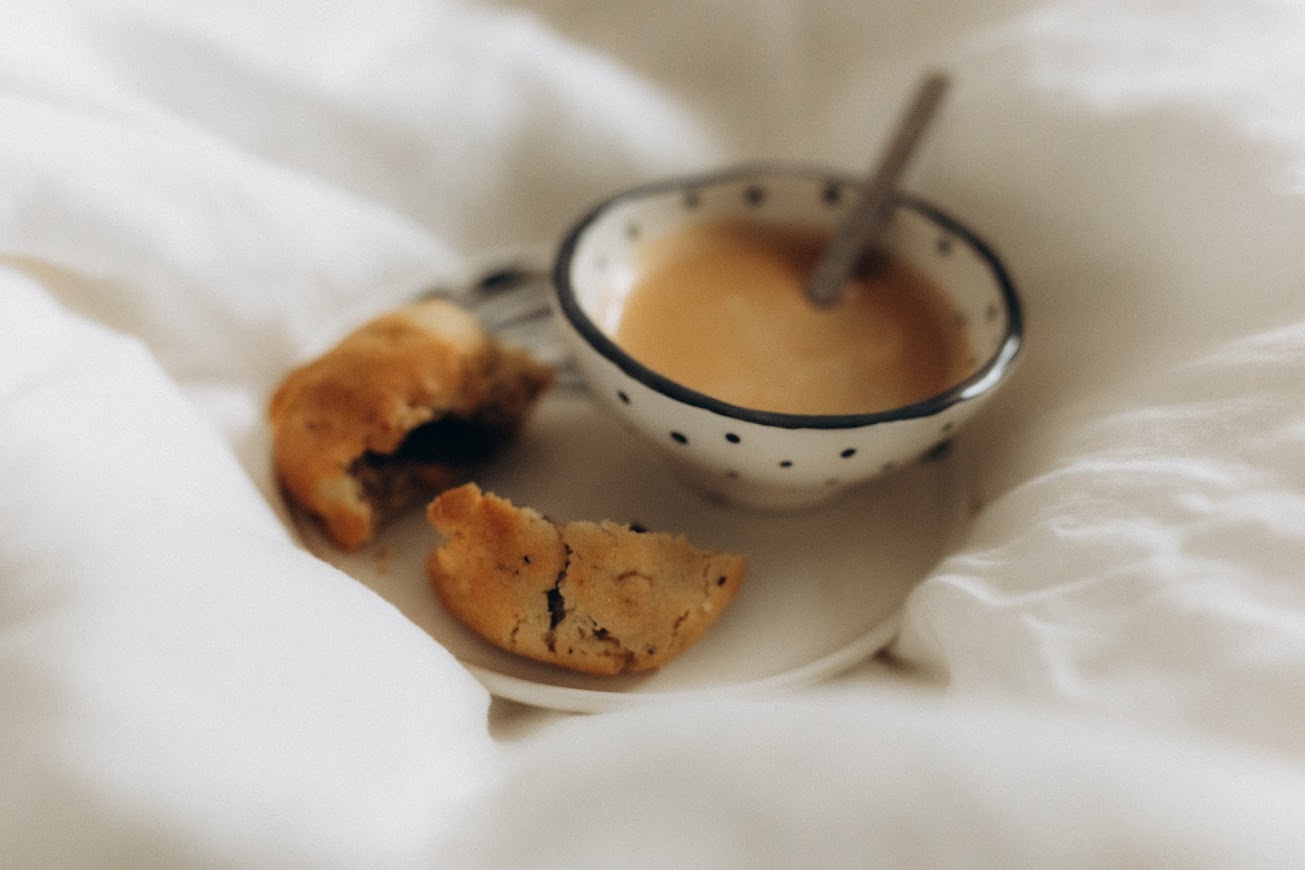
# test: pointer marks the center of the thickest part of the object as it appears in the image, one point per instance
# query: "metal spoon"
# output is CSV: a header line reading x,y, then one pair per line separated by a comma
x,y
861,229
511,297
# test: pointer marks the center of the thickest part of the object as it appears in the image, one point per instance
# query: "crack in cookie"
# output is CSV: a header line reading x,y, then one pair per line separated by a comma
x,y
596,597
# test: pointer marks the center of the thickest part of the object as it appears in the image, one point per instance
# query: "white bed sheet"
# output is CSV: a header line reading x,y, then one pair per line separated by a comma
x,y
1105,671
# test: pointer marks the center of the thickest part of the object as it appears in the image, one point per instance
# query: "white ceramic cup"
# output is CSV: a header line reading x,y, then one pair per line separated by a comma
x,y
758,458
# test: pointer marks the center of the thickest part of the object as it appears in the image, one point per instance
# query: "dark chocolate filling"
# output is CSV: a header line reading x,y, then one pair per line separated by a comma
x,y
425,460
447,440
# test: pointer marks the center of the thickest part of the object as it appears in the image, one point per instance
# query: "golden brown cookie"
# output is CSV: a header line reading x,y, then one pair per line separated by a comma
x,y
597,597
398,410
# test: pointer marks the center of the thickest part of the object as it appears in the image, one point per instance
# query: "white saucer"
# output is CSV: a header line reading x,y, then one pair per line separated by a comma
x,y
822,593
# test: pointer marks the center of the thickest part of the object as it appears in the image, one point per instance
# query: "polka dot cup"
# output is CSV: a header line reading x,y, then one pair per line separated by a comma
x,y
757,458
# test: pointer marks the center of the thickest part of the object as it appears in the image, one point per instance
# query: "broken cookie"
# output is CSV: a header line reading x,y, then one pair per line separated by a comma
x,y
597,597
396,412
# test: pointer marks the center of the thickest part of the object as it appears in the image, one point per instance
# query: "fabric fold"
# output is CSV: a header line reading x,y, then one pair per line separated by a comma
x,y
167,648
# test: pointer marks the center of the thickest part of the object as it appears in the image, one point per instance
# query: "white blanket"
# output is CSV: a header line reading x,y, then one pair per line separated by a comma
x,y
1107,670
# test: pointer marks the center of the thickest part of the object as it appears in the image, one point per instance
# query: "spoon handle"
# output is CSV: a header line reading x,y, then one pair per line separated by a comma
x,y
868,216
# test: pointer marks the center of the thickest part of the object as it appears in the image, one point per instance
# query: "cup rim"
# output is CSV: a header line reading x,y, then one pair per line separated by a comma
x,y
981,381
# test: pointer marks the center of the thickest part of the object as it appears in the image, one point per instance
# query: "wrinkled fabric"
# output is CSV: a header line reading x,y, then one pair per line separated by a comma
x,y
1103,670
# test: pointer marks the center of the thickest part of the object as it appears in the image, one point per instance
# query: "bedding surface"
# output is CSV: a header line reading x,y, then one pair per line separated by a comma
x,y
1104,668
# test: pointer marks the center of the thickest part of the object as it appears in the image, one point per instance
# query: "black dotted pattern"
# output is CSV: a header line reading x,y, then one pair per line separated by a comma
x,y
734,438
832,194
937,451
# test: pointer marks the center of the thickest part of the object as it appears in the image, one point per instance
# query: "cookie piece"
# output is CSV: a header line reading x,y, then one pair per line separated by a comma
x,y
597,597
397,411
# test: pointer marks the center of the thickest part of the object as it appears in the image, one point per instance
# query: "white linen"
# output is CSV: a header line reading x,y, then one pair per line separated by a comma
x,y
1106,671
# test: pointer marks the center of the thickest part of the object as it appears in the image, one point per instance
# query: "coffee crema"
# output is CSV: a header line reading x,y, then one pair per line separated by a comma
x,y
719,307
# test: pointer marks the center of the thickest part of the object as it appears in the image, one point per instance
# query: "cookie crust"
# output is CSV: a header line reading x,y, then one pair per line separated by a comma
x,y
596,597
400,409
